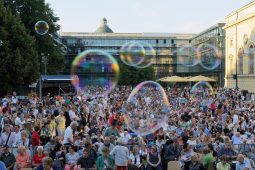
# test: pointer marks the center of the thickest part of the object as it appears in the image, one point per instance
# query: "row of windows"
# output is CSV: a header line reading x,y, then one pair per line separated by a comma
x,y
113,42
241,63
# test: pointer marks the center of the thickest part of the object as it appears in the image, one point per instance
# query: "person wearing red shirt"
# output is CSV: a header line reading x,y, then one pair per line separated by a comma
x,y
35,137
37,159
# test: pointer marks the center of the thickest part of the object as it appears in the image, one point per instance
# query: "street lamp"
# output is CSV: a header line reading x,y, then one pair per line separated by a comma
x,y
45,59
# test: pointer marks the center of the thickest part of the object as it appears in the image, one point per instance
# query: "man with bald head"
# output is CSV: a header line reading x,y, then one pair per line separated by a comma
x,y
243,163
107,143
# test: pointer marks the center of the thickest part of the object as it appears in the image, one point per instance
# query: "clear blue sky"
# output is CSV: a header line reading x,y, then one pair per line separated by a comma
x,y
129,16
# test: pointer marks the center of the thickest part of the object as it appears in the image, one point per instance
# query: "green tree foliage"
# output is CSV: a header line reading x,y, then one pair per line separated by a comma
x,y
133,76
18,55
31,11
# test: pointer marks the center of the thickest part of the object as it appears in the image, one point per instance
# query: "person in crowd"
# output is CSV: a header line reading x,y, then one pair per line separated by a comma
x,y
153,159
58,155
107,143
223,164
120,154
186,154
61,123
85,161
105,161
17,134
24,141
68,136
35,137
7,137
23,158
112,130
135,160
47,164
37,158
8,158
71,159
242,163
228,151
195,164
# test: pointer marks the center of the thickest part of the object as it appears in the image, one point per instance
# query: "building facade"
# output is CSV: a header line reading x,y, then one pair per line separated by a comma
x,y
214,39
240,39
104,39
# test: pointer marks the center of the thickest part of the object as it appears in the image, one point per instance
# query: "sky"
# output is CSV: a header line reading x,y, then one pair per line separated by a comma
x,y
140,16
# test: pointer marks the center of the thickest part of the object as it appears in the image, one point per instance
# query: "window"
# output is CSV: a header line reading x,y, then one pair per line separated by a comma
x,y
240,61
231,64
231,43
251,59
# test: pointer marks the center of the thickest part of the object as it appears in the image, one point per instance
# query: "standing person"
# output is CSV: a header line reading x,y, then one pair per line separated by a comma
x,y
23,159
61,123
17,134
154,159
112,130
7,138
35,137
68,136
170,152
120,154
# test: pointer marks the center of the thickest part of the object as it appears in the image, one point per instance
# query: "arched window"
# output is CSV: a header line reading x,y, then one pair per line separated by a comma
x,y
251,59
240,61
231,64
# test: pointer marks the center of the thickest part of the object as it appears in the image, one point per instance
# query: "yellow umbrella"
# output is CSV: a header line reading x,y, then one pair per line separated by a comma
x,y
175,79
201,78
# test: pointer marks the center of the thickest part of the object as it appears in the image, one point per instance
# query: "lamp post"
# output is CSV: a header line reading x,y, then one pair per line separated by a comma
x,y
45,59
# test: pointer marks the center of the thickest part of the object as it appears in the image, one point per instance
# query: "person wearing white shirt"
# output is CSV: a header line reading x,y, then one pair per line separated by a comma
x,y
18,121
17,134
120,154
68,136
135,160
235,119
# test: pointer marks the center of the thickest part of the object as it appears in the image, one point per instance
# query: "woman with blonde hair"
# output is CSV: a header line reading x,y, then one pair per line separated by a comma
x,y
22,159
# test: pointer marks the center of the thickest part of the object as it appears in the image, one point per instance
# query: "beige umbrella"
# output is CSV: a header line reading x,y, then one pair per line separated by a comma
x,y
175,79
161,79
201,78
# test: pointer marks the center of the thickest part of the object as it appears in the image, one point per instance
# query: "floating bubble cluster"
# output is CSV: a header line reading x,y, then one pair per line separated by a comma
x,y
137,54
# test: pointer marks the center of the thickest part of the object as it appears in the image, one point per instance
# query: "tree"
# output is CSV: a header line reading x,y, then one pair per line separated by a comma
x,y
18,55
31,11
133,76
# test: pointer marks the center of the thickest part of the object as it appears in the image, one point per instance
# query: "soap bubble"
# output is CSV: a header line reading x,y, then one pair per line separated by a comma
x,y
41,27
94,73
147,108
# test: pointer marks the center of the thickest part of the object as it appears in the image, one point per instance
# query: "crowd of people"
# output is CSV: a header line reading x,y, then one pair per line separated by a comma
x,y
204,130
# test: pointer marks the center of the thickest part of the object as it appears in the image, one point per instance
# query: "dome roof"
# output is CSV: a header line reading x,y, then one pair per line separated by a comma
x,y
103,28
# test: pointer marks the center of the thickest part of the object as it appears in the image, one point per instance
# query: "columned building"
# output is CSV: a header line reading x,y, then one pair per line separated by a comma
x,y
240,41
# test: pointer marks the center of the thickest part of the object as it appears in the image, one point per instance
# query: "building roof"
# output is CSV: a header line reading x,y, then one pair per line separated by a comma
x,y
104,28
127,35
56,78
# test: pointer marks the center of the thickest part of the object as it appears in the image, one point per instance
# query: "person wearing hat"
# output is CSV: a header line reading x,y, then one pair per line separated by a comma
x,y
7,138
120,154
8,158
